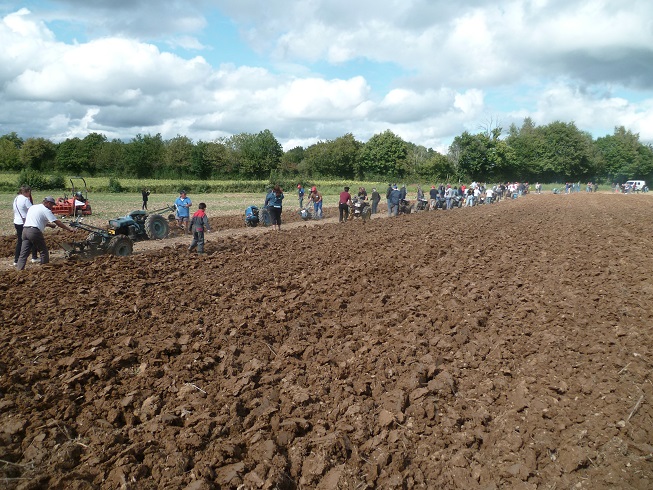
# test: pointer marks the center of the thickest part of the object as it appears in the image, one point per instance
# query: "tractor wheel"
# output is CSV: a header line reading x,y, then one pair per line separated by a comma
x,y
156,227
120,246
266,217
366,214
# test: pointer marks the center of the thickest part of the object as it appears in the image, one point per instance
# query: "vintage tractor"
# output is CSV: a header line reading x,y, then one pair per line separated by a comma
x,y
360,209
118,239
99,241
75,205
142,225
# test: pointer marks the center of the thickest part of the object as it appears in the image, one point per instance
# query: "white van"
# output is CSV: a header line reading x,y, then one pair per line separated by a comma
x,y
634,185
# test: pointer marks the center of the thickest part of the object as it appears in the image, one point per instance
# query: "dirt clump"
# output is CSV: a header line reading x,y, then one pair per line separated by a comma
x,y
502,346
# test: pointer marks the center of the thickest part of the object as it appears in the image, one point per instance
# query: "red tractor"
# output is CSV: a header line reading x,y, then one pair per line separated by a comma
x,y
76,205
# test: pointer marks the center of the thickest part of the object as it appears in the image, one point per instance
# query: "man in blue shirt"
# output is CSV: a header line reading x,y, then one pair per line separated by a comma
x,y
183,204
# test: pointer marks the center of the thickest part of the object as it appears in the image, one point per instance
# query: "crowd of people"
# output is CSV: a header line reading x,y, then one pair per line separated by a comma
x,y
30,220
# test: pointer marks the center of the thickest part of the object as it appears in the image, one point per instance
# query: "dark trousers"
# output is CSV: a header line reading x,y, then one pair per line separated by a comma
x,y
198,241
344,212
276,215
33,239
19,243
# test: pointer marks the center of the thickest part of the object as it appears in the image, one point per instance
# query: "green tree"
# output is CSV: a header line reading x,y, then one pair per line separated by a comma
x,y
201,165
70,156
179,155
292,160
111,158
144,155
566,153
10,146
335,158
91,147
623,156
384,155
527,145
255,154
12,137
38,154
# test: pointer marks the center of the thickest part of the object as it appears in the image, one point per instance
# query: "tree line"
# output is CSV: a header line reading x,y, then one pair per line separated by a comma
x,y
556,152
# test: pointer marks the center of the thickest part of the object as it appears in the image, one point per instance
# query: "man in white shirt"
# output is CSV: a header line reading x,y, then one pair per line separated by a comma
x,y
22,203
38,217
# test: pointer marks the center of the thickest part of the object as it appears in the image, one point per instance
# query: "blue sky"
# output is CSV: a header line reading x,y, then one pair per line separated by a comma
x,y
315,70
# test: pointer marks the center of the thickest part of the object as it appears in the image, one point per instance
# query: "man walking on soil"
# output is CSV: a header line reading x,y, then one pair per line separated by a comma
x,y
199,224
38,217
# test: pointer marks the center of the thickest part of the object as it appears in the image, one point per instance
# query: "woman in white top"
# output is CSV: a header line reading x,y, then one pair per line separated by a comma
x,y
22,203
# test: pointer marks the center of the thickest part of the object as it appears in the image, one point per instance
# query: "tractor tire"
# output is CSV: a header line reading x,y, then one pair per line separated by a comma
x,y
266,217
120,246
156,227
366,214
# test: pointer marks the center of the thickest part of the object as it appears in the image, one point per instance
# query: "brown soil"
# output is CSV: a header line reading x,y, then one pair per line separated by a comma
x,y
505,346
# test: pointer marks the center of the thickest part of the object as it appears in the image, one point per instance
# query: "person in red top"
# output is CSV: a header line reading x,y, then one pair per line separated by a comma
x,y
199,224
344,204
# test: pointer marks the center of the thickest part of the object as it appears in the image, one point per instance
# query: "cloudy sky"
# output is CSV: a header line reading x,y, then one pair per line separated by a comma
x,y
315,70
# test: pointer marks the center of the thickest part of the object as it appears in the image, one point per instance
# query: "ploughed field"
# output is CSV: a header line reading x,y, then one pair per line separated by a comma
x,y
502,346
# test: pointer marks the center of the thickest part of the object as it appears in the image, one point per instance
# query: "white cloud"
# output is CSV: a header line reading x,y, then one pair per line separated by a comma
x,y
453,65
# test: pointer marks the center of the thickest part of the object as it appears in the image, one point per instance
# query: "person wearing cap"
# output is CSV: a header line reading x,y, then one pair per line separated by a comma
x,y
38,217
22,203
183,204
395,199
300,195
316,198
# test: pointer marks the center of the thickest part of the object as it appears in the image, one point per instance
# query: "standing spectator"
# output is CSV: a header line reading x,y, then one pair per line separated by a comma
x,y
433,197
300,195
183,204
376,198
146,194
538,188
22,202
469,201
316,198
448,196
276,207
388,192
403,193
199,224
489,194
395,199
38,217
344,205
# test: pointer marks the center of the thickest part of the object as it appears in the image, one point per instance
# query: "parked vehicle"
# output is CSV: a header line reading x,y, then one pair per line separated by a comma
x,y
635,186
75,205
